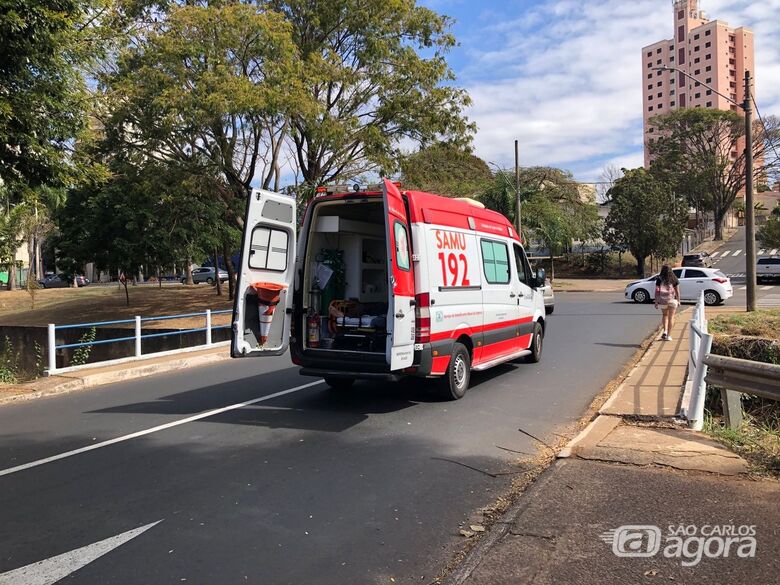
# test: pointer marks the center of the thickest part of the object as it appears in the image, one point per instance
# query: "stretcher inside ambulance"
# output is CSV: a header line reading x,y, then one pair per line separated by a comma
x,y
383,284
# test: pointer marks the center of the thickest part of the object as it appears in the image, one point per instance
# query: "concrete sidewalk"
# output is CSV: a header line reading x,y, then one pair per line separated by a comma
x,y
100,375
608,509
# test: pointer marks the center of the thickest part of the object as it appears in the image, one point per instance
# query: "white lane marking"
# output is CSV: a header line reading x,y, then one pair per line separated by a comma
x,y
726,253
156,429
773,252
766,287
736,252
714,254
761,252
53,569
743,288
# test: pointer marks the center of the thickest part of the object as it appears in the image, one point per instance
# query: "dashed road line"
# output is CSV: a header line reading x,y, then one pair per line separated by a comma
x,y
736,253
726,253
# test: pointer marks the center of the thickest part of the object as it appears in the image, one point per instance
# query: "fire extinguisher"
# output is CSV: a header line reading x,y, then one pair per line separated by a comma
x,y
313,317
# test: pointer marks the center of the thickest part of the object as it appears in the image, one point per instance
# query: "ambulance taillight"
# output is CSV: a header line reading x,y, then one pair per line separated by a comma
x,y
422,313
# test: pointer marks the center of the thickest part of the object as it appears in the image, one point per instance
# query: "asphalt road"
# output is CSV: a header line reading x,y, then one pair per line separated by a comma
x,y
305,487
730,258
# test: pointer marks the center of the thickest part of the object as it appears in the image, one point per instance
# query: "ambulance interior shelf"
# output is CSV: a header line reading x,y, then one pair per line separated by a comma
x,y
346,278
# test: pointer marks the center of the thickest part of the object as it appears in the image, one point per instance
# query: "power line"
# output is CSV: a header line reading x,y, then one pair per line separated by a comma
x,y
766,130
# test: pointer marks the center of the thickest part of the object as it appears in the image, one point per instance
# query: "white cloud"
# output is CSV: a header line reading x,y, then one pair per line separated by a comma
x,y
565,78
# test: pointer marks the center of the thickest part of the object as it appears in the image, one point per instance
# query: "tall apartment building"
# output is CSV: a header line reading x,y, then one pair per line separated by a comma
x,y
709,50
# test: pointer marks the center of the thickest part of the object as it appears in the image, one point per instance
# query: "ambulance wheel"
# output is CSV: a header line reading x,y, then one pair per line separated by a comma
x,y
455,382
537,342
340,384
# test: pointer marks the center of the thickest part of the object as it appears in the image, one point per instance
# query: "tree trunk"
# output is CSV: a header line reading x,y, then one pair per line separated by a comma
x,y
38,258
552,265
127,294
11,276
217,282
188,271
230,270
719,226
640,266
620,263
159,277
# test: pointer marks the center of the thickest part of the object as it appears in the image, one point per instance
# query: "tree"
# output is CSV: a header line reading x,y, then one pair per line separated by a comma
x,y
208,88
445,169
769,233
554,211
698,154
645,217
376,71
43,96
11,238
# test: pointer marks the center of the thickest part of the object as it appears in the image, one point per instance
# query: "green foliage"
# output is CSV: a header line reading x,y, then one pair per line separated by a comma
x,y
697,154
46,44
9,363
645,217
554,211
81,354
769,233
445,169
376,73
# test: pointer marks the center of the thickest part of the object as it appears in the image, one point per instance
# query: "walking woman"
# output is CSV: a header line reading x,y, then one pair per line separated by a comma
x,y
667,298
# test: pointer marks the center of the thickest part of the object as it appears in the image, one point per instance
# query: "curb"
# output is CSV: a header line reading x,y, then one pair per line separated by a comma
x,y
83,380
499,529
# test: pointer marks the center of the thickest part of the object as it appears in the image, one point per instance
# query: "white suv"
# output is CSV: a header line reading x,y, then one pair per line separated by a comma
x,y
767,269
715,285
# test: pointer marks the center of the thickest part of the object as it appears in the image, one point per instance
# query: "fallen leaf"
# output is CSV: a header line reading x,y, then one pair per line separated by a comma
x,y
651,573
466,533
477,528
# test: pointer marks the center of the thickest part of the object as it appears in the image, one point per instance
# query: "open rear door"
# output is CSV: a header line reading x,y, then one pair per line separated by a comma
x,y
400,273
263,302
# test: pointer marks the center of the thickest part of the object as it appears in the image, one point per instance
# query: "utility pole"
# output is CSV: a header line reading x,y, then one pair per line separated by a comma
x,y
517,189
750,236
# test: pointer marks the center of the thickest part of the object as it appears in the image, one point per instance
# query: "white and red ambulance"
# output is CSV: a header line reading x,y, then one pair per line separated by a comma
x,y
383,284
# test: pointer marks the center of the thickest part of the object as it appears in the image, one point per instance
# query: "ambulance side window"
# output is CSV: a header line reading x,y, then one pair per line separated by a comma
x,y
495,262
401,246
522,272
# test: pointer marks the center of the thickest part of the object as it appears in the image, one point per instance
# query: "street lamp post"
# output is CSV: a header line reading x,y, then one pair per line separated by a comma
x,y
750,236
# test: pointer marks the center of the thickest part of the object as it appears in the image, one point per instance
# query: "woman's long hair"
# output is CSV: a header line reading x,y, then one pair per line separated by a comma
x,y
667,277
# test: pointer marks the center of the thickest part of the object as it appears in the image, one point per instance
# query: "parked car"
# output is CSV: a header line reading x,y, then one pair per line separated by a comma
x,y
697,259
767,268
715,285
81,280
549,296
206,274
54,281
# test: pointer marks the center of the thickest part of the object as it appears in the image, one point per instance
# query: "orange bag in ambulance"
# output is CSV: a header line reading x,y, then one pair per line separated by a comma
x,y
383,284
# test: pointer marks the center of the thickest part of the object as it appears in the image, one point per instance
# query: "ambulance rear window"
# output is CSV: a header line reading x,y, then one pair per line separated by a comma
x,y
495,262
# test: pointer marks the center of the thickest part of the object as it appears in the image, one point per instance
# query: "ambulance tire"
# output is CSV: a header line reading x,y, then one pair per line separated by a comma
x,y
339,384
455,382
537,342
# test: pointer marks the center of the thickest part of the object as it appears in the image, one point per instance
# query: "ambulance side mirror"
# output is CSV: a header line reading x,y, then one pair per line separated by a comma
x,y
540,276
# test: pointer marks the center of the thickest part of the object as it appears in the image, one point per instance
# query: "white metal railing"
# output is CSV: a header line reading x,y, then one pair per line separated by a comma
x,y
699,345
137,338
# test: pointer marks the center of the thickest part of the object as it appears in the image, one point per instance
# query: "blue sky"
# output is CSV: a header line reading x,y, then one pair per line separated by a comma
x,y
564,76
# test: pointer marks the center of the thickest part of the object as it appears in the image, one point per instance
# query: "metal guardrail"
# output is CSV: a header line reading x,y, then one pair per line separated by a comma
x,y
732,375
735,376
137,338
699,345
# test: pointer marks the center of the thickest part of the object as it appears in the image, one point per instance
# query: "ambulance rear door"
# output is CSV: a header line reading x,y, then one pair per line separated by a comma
x,y
400,273
262,309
